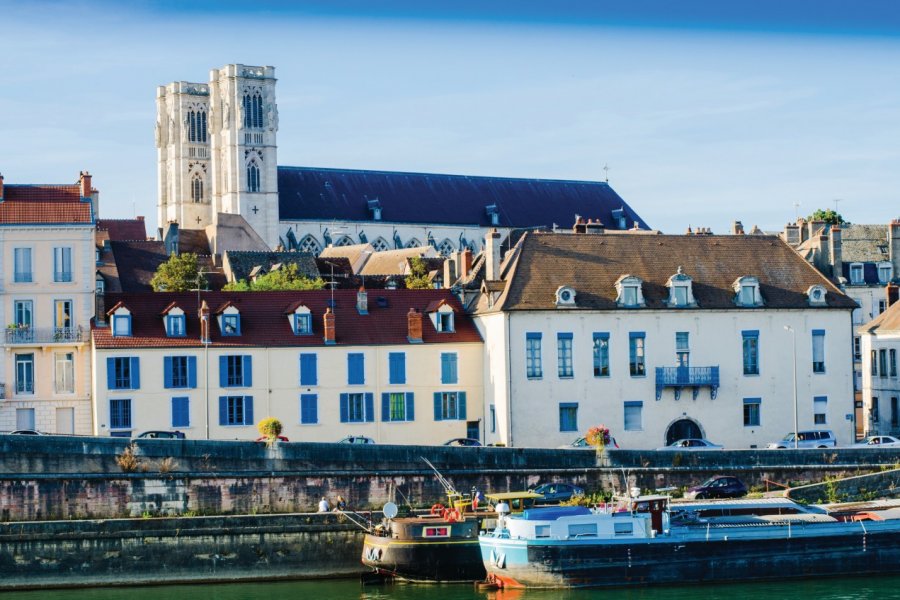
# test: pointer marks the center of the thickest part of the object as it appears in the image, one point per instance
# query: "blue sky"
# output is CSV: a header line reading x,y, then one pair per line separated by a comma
x,y
705,112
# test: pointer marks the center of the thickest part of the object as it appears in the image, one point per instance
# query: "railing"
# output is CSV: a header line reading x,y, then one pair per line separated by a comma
x,y
49,335
680,377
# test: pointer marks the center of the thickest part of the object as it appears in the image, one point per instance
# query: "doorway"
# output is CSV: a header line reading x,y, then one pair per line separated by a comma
x,y
681,429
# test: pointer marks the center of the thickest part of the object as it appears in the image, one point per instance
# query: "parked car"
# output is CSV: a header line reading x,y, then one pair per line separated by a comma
x,y
162,435
815,438
878,441
692,444
720,486
356,439
27,432
554,493
582,443
281,438
462,442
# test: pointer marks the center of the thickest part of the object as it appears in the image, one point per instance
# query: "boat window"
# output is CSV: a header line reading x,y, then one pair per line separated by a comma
x,y
542,531
624,528
583,529
430,532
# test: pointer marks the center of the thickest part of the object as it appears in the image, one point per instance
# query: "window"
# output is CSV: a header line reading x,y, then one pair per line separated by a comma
x,y
235,410
751,352
197,126
175,325
892,361
180,371
309,370
882,306
449,371
680,295
857,348
22,272
24,373
601,354
197,188
101,284
895,414
356,369
309,409
630,295
253,110
62,319
309,244
636,354
64,375
123,373
449,406
568,416
236,370
533,356
884,273
445,322
24,312
25,418
62,264
564,354
628,292
397,368
746,295
751,412
231,324
882,362
873,360
302,324
121,325
856,274
874,409
181,412
682,349
633,415
397,406
820,410
818,350
252,177
120,414
357,408
493,419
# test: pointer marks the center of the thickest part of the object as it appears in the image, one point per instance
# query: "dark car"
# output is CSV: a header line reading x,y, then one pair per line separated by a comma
x,y
462,442
720,486
554,493
161,435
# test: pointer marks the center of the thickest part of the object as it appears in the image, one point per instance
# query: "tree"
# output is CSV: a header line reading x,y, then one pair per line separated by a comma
x,y
418,276
288,277
178,274
832,217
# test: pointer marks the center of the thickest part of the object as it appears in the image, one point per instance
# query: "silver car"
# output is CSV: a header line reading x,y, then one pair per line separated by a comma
x,y
692,444
877,441
814,438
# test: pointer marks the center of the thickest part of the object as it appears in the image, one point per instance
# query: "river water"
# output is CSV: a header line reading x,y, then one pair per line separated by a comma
x,y
860,588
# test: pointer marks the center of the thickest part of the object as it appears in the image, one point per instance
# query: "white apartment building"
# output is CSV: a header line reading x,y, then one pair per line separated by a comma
x,y
880,347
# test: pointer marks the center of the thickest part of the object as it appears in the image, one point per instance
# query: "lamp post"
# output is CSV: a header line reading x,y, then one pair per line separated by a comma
x,y
794,347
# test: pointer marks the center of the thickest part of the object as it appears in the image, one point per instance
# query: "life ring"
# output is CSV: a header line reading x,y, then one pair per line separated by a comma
x,y
453,515
437,509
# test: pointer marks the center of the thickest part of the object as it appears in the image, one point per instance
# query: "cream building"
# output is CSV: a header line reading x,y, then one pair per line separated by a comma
x,y
880,349
398,366
47,276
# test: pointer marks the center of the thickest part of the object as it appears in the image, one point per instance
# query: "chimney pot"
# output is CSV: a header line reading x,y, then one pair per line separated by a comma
x,y
85,181
492,256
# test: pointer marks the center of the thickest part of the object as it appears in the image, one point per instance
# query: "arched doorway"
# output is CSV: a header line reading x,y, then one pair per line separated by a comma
x,y
682,428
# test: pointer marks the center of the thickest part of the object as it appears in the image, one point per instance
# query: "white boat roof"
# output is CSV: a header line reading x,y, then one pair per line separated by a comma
x,y
691,505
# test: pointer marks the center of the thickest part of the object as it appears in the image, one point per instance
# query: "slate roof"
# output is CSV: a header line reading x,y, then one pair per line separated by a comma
x,y
44,204
242,262
864,243
137,261
308,193
122,229
263,320
394,262
591,264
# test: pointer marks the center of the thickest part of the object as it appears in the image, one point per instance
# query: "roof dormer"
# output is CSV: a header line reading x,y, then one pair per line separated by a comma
x,y
229,318
120,318
300,318
174,320
681,290
816,294
746,290
629,292
565,297
442,315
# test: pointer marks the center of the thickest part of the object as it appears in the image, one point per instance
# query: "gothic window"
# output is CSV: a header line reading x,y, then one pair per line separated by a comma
x,y
253,110
413,243
380,245
197,188
309,244
445,248
252,177
197,126
344,241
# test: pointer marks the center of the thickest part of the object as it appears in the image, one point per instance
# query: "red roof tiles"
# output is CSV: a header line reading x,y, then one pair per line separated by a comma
x,y
38,204
123,229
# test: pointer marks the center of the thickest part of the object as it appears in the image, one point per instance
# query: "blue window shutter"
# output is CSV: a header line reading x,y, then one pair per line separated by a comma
x,y
167,373
385,407
248,410
309,409
397,371
308,375
180,412
370,407
345,408
314,369
110,373
410,407
192,371
248,370
223,371
135,373
355,369
402,368
445,368
454,373
437,406
462,406
223,410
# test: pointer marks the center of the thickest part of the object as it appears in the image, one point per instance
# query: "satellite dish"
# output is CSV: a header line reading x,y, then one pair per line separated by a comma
x,y
390,510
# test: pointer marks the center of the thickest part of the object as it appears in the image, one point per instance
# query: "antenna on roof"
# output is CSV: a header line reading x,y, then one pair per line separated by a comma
x,y
796,210
606,171
836,200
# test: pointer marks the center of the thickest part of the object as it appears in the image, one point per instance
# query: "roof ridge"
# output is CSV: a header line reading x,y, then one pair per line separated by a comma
x,y
426,174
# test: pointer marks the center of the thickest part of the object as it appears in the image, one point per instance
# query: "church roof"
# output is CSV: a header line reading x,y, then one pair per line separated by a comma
x,y
308,193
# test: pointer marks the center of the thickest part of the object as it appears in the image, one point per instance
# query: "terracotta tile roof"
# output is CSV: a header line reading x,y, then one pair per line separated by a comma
x,y
122,229
591,264
41,193
44,204
263,320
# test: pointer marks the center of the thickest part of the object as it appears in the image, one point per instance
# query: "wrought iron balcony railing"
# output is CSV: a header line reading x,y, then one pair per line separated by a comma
x,y
682,377
45,335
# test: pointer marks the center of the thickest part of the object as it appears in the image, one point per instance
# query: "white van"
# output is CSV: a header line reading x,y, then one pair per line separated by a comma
x,y
816,438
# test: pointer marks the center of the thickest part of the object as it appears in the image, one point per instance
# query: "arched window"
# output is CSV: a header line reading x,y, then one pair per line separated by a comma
x,y
197,126
252,177
344,241
380,245
197,188
445,248
309,244
253,110
413,243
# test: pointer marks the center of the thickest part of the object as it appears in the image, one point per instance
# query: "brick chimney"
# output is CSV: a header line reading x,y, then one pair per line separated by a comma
x,y
465,263
894,247
791,234
835,254
99,309
893,293
450,270
579,226
329,338
414,325
85,181
492,255
204,323
1,187
362,301
737,228
594,226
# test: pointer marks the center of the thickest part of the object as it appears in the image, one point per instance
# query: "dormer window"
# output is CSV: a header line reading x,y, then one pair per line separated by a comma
x,y
618,216
746,291
442,316
375,208
681,292
856,274
445,322
493,213
816,295
300,318
565,296
121,320
175,325
229,319
629,293
885,272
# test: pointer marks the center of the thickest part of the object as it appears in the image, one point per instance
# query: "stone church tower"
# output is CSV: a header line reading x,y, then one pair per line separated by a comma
x,y
217,151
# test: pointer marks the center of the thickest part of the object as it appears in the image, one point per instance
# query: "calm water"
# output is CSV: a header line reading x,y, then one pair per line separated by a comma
x,y
874,588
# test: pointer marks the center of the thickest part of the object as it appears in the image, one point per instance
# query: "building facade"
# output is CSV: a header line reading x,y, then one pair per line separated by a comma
x,y
880,348
47,276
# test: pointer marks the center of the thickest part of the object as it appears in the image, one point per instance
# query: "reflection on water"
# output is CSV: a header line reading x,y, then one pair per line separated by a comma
x,y
860,588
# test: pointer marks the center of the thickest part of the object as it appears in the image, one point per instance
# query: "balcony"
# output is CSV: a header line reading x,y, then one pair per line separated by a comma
x,y
692,377
31,336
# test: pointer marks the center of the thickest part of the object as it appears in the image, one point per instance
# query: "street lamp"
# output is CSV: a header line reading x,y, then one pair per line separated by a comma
x,y
794,346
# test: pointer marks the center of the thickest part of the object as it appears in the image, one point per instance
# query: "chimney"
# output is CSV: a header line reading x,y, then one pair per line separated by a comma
x,y
329,327
85,181
1,187
894,247
737,228
893,293
465,263
100,309
362,301
450,270
579,226
204,323
834,252
171,238
594,226
811,228
492,255
414,324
